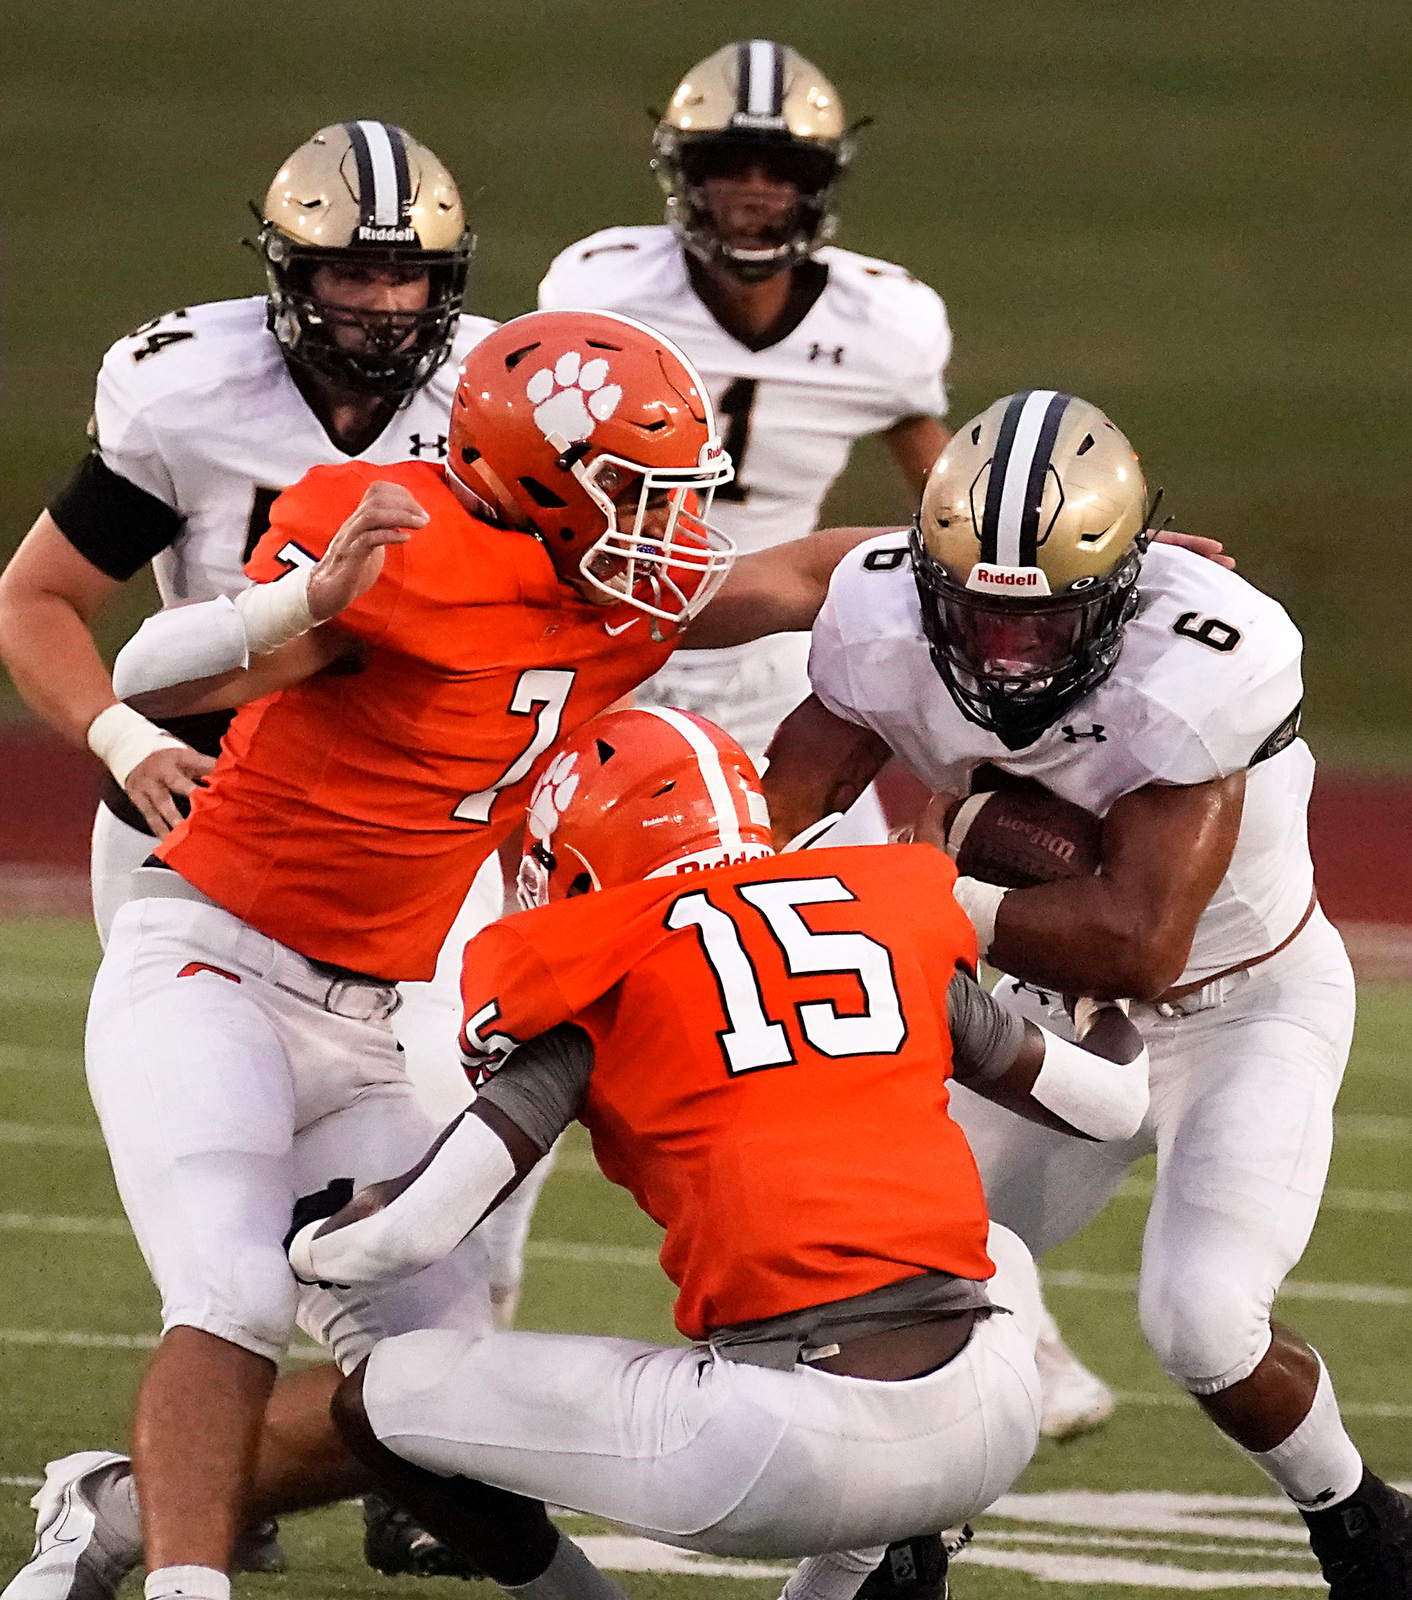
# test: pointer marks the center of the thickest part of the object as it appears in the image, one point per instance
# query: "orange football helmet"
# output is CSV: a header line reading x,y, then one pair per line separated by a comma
x,y
596,434
640,794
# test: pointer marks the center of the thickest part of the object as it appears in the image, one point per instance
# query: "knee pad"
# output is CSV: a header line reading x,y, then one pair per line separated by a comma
x,y
251,1305
1207,1328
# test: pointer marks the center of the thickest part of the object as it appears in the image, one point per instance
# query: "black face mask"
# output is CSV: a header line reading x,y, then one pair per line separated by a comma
x,y
399,350
1015,668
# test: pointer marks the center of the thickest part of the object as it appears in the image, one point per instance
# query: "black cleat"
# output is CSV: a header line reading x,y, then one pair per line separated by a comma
x,y
258,1549
911,1569
1364,1543
394,1544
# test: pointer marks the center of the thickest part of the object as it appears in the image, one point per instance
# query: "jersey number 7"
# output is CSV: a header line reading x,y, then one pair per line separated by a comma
x,y
752,1040
541,692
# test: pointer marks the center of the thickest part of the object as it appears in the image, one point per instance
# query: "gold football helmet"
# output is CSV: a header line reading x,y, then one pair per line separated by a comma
x,y
366,192
753,101
1026,553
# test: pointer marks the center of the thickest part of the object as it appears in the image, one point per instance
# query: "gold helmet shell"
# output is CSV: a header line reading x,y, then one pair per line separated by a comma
x,y
365,184
1040,481
757,86
753,100
1026,552
364,194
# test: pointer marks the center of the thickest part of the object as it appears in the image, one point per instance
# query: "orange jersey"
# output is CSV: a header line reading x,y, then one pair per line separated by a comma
x,y
347,815
771,1051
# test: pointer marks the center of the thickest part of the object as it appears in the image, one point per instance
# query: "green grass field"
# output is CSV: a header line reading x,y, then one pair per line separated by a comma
x,y
1189,212
80,1313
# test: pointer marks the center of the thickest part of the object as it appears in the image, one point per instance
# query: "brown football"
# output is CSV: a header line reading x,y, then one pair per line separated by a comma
x,y
1021,836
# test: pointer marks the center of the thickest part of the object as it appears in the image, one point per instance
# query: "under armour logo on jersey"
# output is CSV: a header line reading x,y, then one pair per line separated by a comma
x,y
1042,995
1072,735
820,352
416,444
573,396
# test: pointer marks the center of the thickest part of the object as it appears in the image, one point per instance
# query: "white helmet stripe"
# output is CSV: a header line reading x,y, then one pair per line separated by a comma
x,y
760,97
708,760
1017,477
385,208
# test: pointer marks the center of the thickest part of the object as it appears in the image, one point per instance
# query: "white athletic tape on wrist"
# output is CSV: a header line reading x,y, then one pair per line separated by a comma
x,y
122,738
961,822
274,613
425,1222
1098,1097
181,645
981,903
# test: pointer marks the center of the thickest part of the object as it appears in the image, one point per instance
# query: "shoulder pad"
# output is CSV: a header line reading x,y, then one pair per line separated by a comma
x,y
607,268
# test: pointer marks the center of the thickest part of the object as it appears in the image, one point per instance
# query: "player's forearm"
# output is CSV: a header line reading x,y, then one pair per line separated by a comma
x,y
54,663
395,1229
779,590
1083,936
818,764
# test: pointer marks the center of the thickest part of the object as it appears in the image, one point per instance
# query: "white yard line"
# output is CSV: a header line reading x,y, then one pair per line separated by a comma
x,y
64,1338
50,1133
1364,1294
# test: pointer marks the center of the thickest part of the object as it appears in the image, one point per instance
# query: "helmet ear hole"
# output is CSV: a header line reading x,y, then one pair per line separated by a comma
x,y
581,885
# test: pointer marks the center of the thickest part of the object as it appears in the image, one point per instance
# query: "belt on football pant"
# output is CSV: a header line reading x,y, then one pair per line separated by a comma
x,y
1182,990
339,990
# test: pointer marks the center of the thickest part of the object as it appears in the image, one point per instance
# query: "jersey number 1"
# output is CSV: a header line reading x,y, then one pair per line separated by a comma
x,y
546,688
752,1040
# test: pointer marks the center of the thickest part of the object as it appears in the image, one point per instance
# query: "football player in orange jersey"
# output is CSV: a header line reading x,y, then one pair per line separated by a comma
x,y
239,1048
760,1047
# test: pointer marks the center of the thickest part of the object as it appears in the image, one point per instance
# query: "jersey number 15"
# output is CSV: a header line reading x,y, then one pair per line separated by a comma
x,y
752,1039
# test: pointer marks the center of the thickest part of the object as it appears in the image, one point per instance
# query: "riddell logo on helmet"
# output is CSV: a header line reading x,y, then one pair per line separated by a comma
x,y
371,235
704,860
987,578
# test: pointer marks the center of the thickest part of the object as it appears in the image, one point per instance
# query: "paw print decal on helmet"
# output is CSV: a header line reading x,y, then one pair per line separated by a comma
x,y
552,794
573,396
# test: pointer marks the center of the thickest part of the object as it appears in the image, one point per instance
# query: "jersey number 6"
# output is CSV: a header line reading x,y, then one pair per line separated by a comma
x,y
752,1040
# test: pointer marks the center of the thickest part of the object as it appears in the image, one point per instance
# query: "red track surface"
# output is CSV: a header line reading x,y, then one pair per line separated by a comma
x,y
1360,827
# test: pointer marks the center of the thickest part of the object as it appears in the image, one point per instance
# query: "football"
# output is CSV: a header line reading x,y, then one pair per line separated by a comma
x,y
1020,836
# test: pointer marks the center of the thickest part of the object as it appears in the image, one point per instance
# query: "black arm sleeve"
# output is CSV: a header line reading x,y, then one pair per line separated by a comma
x,y
985,1037
110,521
543,1083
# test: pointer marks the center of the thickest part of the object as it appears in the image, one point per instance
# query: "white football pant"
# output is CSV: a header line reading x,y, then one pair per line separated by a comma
x,y
427,1026
1241,1121
716,1455
226,1089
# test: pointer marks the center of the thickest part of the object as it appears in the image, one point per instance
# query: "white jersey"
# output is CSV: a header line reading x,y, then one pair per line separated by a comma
x,y
1209,671
198,409
871,351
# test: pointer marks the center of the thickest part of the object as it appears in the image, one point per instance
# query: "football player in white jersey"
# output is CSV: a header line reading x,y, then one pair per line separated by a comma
x,y
202,417
1027,630
804,346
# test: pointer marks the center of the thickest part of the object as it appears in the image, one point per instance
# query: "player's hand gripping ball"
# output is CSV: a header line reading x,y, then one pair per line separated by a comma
x,y
1016,837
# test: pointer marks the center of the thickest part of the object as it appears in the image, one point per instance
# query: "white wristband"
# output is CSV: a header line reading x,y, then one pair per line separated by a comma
x,y
981,903
274,613
1098,1097
425,1222
121,738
